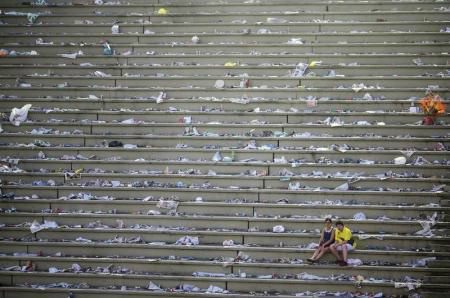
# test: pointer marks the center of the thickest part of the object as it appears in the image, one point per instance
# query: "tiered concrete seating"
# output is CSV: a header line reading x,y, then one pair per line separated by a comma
x,y
126,152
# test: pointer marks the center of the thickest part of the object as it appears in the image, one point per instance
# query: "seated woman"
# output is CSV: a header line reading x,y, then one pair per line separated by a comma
x,y
326,239
344,242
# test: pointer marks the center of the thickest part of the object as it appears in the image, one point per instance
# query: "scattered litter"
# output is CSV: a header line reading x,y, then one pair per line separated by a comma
x,y
187,240
161,97
162,11
299,70
217,157
153,287
354,262
115,29
228,242
195,39
18,116
36,226
400,160
359,216
278,229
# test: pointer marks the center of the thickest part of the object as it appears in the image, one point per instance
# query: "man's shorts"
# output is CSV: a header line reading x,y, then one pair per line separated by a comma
x,y
349,247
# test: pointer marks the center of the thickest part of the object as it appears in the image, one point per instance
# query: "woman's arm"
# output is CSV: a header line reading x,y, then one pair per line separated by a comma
x,y
321,237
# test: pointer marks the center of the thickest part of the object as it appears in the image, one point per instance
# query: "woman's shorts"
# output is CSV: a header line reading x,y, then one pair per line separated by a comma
x,y
349,247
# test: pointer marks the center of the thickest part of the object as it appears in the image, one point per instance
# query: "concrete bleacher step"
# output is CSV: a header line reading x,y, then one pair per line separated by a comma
x,y
263,239
231,284
266,195
295,93
372,59
113,108
304,82
398,50
250,17
399,143
317,48
236,167
184,267
201,252
314,38
172,154
218,70
230,7
223,181
230,129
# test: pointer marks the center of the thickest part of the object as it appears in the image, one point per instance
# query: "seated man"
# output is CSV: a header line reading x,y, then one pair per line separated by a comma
x,y
343,242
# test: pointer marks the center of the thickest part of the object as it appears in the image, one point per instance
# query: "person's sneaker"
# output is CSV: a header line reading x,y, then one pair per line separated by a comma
x,y
343,263
310,260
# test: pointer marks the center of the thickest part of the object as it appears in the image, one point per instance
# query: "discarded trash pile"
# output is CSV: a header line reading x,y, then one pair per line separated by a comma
x,y
196,148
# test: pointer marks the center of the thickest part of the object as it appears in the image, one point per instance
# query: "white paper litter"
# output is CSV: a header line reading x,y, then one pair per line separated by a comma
x,y
18,116
401,160
187,240
228,242
359,216
354,262
217,157
214,289
153,287
115,29
167,204
195,39
36,226
278,229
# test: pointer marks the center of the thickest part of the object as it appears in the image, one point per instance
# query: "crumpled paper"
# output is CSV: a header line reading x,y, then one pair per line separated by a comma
x,y
278,229
153,287
410,285
18,116
36,226
187,240
426,225
359,216
354,262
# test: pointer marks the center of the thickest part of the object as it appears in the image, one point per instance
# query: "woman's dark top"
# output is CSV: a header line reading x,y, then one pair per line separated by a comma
x,y
327,236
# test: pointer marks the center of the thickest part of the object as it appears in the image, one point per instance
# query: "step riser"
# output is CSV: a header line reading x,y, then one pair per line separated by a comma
x,y
141,50
222,59
154,252
278,8
294,93
174,118
217,71
231,83
389,16
226,182
421,144
256,131
268,241
229,168
234,286
214,196
190,105
220,210
205,38
229,28
240,224
188,269
173,154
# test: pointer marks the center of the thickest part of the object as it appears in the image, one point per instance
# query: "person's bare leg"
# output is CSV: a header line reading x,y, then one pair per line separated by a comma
x,y
322,252
316,253
344,253
334,252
